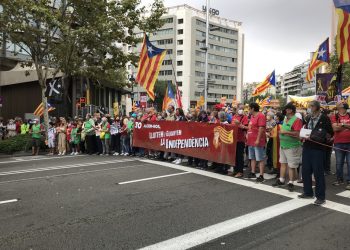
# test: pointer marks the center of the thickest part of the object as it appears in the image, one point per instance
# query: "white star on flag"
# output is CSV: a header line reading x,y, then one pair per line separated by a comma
x,y
321,52
150,49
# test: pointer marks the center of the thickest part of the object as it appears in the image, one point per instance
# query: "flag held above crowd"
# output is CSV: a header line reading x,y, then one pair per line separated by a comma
x,y
151,59
39,111
319,58
343,35
169,97
262,87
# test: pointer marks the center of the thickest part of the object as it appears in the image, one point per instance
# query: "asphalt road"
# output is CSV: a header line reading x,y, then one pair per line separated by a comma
x,y
100,202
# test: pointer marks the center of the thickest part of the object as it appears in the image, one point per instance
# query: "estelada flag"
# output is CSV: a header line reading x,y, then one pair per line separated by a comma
x,y
343,36
269,81
151,59
346,91
169,98
265,102
320,58
39,111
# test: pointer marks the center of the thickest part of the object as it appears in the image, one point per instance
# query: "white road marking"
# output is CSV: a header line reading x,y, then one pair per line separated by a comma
x,y
345,194
279,191
17,160
212,232
152,178
32,170
8,201
75,173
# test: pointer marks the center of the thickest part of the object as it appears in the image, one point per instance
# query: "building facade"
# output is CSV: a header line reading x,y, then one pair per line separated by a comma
x,y
183,35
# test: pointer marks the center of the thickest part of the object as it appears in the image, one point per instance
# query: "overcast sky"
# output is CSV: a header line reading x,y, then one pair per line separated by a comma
x,y
279,34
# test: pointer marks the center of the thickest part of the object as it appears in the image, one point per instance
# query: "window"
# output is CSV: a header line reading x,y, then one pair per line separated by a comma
x,y
179,73
179,84
179,63
180,52
180,32
180,42
165,41
167,62
169,51
163,32
180,21
165,72
168,20
196,93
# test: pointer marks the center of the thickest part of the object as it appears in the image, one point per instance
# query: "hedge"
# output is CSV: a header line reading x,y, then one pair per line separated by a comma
x,y
17,143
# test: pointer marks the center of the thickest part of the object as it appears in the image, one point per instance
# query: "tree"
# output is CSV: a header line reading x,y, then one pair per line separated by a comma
x,y
77,37
334,64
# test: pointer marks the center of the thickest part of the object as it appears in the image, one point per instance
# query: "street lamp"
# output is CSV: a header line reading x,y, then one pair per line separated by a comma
x,y
132,80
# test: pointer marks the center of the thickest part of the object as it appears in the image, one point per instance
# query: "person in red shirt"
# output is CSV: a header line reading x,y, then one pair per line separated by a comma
x,y
256,141
240,120
341,127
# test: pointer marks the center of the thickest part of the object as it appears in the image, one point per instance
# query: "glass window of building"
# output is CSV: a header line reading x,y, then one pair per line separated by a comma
x,y
179,63
180,42
180,21
180,32
180,52
179,73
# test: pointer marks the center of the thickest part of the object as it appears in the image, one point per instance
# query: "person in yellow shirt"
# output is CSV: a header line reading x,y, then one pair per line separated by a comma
x,y
25,127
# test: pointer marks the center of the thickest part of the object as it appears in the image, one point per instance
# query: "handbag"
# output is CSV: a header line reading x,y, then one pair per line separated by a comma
x,y
83,135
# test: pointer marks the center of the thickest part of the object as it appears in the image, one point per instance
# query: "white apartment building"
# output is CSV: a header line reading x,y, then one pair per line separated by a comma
x,y
183,35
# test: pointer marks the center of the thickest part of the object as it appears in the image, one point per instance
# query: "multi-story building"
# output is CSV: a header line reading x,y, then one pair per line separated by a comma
x,y
183,35
294,82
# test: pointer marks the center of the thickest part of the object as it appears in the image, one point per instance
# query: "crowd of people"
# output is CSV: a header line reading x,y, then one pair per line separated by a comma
x,y
305,159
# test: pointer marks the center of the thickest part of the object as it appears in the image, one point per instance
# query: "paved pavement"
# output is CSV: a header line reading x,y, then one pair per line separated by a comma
x,y
100,202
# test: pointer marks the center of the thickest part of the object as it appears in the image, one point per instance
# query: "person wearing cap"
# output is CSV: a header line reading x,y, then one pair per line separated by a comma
x,y
341,127
290,147
313,156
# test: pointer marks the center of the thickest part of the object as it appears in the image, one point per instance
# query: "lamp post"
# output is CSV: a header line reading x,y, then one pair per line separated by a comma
x,y
206,59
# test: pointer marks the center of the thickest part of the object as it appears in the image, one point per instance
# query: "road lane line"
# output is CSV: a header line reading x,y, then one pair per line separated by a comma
x,y
152,178
279,191
75,173
33,170
18,160
221,229
345,194
8,201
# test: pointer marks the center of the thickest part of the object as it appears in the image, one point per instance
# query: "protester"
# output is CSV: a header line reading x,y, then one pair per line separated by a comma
x,y
313,153
36,131
124,136
11,128
25,127
105,136
241,121
89,134
51,140
341,127
256,141
290,147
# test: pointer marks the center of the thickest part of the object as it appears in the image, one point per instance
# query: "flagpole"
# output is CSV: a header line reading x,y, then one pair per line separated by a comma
x,y
206,58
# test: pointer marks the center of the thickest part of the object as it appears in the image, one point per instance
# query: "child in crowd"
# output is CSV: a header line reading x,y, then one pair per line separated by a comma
x,y
51,142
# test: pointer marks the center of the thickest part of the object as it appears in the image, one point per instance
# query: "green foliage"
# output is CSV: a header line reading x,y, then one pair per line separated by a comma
x,y
333,67
17,143
79,37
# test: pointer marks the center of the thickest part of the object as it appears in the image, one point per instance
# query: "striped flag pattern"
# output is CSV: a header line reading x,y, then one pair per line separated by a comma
x,y
178,97
39,111
346,91
319,58
224,135
343,34
151,59
262,87
265,102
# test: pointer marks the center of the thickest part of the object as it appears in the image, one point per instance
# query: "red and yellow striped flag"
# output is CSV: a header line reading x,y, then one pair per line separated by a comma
x,y
151,59
262,87
319,58
275,134
39,111
343,35
346,91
